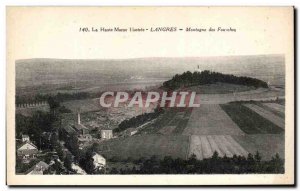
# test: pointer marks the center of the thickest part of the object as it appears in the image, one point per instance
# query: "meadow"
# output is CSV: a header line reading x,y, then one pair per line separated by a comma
x,y
210,119
145,146
249,121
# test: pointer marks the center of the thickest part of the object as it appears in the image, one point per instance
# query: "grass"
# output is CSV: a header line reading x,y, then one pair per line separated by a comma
x,y
181,126
85,105
183,121
176,117
219,88
210,119
266,144
249,121
267,115
205,146
145,146
268,108
28,112
159,123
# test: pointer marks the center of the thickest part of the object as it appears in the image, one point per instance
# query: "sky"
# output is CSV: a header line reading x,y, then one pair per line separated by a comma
x,y
52,32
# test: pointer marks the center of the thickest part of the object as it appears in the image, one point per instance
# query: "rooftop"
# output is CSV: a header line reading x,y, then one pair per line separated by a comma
x,y
40,166
80,126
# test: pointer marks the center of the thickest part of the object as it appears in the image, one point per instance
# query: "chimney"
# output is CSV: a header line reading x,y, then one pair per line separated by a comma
x,y
78,118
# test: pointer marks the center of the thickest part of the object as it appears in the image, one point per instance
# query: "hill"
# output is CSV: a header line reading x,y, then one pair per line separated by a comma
x,y
207,77
41,71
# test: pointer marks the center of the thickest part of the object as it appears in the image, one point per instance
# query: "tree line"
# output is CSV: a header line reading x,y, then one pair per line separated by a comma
x,y
137,120
214,165
60,97
208,77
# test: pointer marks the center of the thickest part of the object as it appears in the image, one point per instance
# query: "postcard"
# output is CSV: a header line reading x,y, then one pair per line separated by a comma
x,y
150,96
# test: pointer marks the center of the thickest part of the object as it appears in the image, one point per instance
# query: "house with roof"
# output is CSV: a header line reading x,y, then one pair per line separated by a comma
x,y
130,131
27,151
79,129
37,169
68,129
98,160
106,133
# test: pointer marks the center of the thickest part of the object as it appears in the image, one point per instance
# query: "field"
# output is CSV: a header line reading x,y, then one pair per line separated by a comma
x,y
172,121
85,105
229,129
260,94
219,88
266,144
267,115
167,130
28,112
146,146
210,119
275,108
249,121
205,146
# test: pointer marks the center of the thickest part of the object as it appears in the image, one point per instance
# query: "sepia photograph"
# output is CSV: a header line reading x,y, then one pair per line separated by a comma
x,y
207,96
61,127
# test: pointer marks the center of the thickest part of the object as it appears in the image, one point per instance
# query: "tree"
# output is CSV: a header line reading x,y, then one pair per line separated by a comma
x,y
208,77
22,125
53,104
60,152
72,144
53,141
167,164
87,162
56,168
114,171
68,162
277,164
213,165
215,156
257,157
193,159
258,165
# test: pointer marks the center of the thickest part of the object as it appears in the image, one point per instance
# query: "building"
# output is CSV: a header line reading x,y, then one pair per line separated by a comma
x,y
106,133
27,152
25,138
80,128
68,130
99,161
85,137
130,131
38,169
